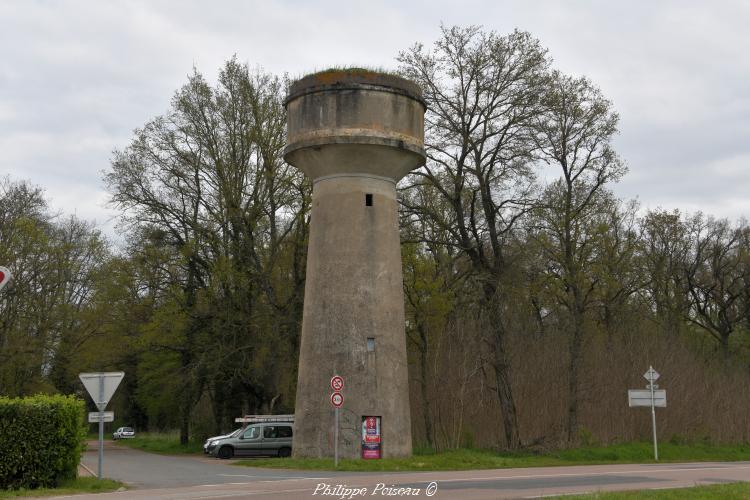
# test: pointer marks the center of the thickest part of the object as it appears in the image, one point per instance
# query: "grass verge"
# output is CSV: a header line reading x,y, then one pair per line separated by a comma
x,y
78,485
465,459
164,443
733,491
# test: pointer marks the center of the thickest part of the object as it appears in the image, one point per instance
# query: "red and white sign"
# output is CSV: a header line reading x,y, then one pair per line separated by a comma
x,y
5,278
371,438
337,400
372,430
337,383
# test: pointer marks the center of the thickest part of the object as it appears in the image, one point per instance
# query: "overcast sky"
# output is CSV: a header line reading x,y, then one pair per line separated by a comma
x,y
76,77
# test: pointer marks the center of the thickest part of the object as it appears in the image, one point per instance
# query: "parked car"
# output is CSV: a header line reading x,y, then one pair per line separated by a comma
x,y
123,433
208,445
263,439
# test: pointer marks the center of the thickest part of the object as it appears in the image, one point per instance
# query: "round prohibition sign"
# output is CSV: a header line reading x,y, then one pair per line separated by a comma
x,y
5,278
337,400
337,383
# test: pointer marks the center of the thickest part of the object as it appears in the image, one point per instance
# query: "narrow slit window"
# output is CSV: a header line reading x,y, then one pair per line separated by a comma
x,y
368,199
370,344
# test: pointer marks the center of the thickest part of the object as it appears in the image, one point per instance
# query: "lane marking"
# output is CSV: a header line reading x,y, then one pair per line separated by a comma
x,y
291,480
296,478
273,479
562,494
254,493
230,495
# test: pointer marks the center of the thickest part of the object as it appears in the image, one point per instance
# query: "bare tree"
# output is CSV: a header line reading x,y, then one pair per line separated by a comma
x,y
482,92
665,246
716,273
574,135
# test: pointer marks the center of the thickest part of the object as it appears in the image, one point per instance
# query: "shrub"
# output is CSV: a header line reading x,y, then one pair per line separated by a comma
x,y
586,437
41,440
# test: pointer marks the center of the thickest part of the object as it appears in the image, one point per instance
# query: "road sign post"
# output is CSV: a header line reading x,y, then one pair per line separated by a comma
x,y
650,397
101,386
653,422
337,400
336,438
101,427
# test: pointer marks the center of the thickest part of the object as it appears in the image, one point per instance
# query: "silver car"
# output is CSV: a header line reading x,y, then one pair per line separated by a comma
x,y
263,439
123,433
210,442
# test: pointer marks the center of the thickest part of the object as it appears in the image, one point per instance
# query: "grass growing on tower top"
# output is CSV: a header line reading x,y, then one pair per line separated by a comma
x,y
355,70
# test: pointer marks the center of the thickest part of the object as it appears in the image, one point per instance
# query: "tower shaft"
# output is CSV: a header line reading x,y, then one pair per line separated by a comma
x,y
355,137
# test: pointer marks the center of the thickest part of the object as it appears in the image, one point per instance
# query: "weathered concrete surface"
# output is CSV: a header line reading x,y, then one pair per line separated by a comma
x,y
355,135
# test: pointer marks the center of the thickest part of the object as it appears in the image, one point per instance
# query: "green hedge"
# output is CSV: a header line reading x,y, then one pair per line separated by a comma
x,y
41,440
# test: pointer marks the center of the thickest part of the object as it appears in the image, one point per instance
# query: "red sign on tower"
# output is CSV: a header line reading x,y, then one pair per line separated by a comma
x,y
337,400
337,383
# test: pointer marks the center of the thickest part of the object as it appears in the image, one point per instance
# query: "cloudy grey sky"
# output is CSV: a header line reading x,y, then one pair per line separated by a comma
x,y
76,77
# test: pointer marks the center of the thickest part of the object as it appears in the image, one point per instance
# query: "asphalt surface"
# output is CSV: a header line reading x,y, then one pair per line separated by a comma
x,y
140,470
160,477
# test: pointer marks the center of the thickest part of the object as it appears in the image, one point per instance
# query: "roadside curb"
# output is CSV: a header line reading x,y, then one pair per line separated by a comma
x,y
86,470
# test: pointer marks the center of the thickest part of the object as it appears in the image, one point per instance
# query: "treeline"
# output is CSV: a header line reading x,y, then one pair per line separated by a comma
x,y
535,298
515,243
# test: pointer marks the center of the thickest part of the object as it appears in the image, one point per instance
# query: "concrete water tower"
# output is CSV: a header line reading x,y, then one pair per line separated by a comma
x,y
354,133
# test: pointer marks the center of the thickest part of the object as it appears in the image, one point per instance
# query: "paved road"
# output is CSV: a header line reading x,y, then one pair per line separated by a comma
x,y
148,470
159,477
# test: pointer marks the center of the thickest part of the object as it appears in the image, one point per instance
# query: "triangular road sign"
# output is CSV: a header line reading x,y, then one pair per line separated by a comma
x,y
101,386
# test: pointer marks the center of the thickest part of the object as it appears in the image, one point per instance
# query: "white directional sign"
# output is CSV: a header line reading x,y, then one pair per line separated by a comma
x,y
4,276
101,386
106,416
651,375
642,397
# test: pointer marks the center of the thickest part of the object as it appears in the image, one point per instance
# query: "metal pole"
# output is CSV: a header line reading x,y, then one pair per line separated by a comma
x,y
336,441
653,420
101,425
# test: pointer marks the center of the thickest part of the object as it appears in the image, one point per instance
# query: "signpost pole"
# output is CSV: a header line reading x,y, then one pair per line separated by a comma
x,y
653,418
650,397
336,441
101,425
